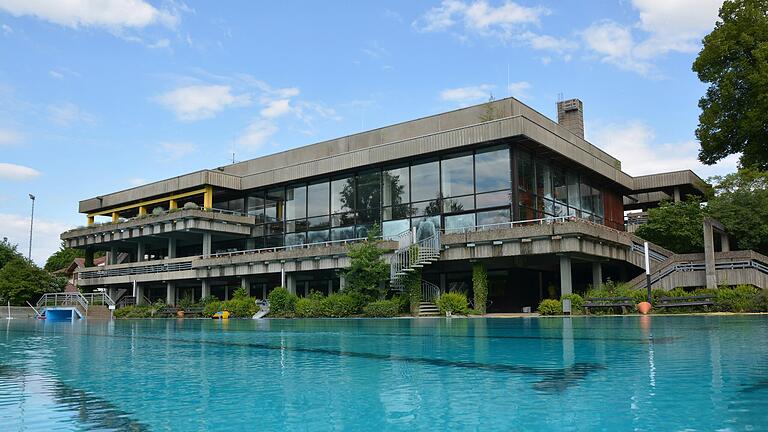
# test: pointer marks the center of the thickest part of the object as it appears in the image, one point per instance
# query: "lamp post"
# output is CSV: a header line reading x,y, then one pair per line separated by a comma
x,y
31,223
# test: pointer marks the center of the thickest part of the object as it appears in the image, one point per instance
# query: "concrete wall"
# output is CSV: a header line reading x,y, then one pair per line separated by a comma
x,y
17,312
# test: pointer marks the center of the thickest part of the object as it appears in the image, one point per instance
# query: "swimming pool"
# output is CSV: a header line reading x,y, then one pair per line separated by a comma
x,y
582,373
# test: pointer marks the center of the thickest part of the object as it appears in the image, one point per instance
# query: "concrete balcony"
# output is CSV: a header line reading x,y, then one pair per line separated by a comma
x,y
174,221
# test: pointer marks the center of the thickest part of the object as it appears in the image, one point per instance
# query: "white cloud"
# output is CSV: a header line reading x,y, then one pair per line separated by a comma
x,y
113,14
161,43
519,89
10,137
45,235
664,26
13,172
257,134
479,17
67,114
175,150
276,108
7,29
62,72
199,102
467,95
634,144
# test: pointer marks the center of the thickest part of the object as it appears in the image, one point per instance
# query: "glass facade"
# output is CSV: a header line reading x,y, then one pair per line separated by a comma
x,y
453,192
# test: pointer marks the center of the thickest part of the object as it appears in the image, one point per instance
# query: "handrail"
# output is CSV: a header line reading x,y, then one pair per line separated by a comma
x,y
429,291
140,269
98,298
282,248
63,299
512,224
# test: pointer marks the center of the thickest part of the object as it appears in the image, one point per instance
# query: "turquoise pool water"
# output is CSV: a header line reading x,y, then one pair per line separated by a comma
x,y
620,373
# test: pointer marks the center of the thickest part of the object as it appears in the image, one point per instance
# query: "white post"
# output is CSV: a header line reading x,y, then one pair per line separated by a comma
x,y
647,271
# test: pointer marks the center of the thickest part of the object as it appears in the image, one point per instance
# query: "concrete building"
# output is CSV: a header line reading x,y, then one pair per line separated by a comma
x,y
528,197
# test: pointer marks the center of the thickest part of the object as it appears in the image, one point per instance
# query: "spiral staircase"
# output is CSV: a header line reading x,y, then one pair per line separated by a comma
x,y
416,250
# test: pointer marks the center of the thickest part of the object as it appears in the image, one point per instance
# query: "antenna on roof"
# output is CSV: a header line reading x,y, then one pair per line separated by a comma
x,y
560,97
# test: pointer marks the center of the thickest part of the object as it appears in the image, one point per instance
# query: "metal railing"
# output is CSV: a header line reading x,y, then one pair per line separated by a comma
x,y
284,248
429,292
701,266
513,224
411,255
654,255
142,269
63,299
98,298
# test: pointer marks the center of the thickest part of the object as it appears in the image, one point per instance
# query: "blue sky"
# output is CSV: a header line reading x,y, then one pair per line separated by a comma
x,y
99,96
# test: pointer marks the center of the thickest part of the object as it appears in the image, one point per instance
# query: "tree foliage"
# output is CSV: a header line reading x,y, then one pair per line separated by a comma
x,y
21,280
8,252
62,258
676,226
740,203
367,269
480,286
734,62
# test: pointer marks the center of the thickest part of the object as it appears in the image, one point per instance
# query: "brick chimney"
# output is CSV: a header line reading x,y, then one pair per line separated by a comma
x,y
570,115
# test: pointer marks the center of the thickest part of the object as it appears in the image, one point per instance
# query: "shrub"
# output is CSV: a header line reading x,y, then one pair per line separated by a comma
x,y
208,299
404,304
307,307
577,303
240,293
241,307
191,206
282,302
413,291
550,307
453,302
135,312
341,305
157,211
742,298
383,308
211,308
186,303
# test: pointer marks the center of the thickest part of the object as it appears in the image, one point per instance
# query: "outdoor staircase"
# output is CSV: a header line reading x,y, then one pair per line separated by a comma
x,y
413,254
74,305
428,309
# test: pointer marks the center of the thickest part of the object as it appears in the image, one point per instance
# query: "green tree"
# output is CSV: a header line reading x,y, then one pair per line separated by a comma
x,y
734,62
480,287
367,269
740,203
62,258
22,281
676,226
8,252
489,110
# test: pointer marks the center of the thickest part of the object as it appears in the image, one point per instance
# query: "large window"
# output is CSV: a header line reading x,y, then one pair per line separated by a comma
x,y
343,195
425,181
396,186
492,170
457,176
317,199
296,202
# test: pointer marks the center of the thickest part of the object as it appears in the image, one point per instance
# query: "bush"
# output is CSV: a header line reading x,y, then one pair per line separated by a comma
x,y
308,307
135,312
191,206
453,302
550,307
342,305
577,303
742,298
403,302
383,308
241,307
157,211
282,302
480,287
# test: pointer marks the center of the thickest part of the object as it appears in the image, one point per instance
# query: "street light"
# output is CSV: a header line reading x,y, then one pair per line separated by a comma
x,y
31,222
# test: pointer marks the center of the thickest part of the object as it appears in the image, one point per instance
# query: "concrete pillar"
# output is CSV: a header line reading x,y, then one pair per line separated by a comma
x,y
676,195
207,243
290,283
112,258
597,275
443,283
141,250
250,244
282,277
139,295
246,284
342,282
170,293
709,254
171,247
725,245
89,257
206,288
330,286
566,286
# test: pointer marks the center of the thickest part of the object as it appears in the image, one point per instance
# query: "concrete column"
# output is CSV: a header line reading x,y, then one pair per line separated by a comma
x,y
725,245
139,294
709,254
171,247
290,283
206,288
443,283
89,257
342,282
141,250
282,277
330,286
676,195
597,275
566,286
246,284
170,293
207,243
